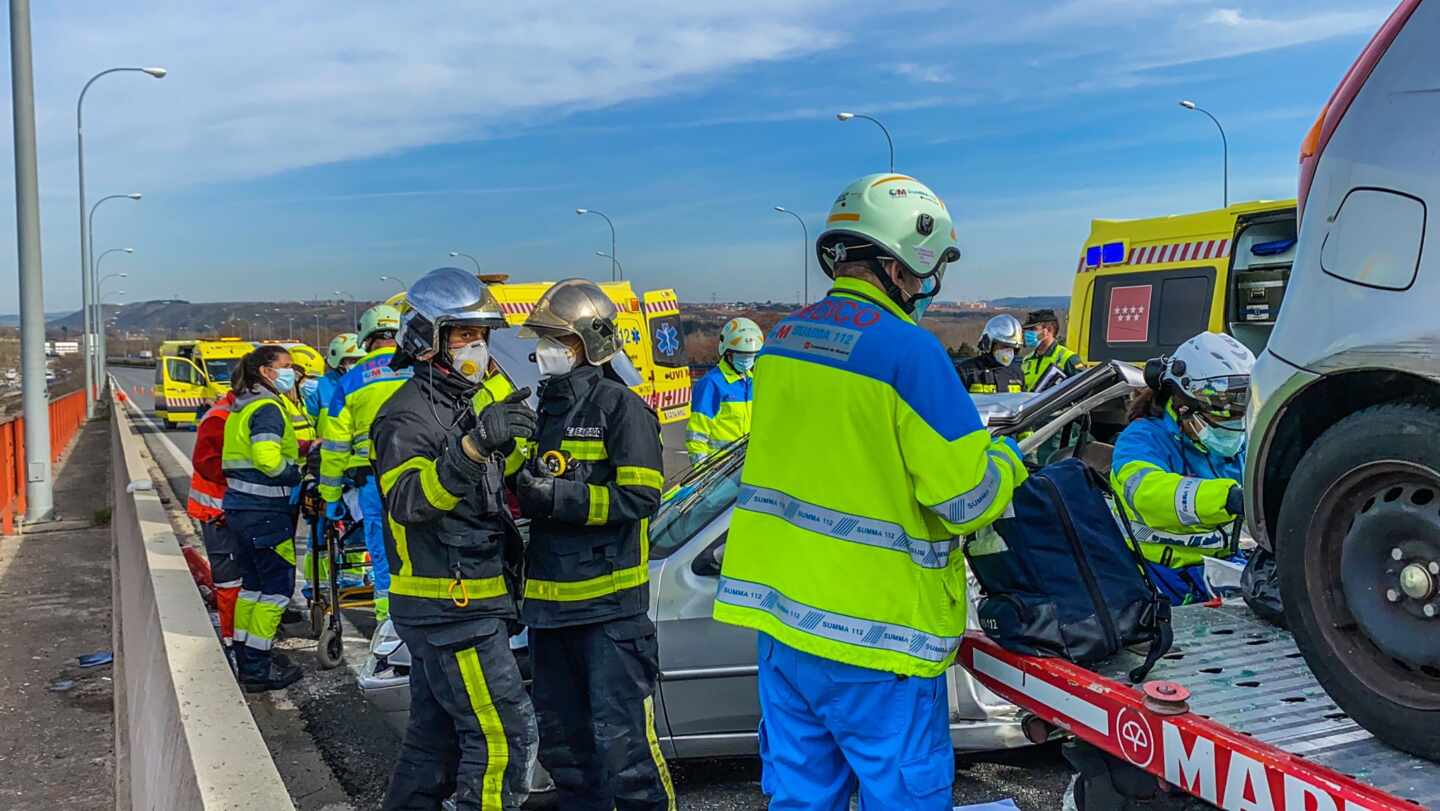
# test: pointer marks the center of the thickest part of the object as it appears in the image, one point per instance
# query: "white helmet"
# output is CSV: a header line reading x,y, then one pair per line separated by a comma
x,y
1002,330
1209,374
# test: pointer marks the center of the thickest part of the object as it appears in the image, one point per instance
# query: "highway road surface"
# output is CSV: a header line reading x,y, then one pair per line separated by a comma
x,y
359,749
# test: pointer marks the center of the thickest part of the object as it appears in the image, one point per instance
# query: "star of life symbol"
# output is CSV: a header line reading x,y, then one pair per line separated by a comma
x,y
668,339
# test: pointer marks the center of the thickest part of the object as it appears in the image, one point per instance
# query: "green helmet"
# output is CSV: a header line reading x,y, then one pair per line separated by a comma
x,y
741,335
380,318
890,216
345,346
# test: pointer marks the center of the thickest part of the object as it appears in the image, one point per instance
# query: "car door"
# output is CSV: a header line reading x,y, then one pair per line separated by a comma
x,y
182,393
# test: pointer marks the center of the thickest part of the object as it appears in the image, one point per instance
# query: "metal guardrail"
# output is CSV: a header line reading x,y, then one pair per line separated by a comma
x,y
185,737
67,414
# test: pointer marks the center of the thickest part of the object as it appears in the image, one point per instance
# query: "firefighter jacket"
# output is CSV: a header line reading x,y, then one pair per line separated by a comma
x,y
453,547
207,484
866,460
1175,489
346,421
588,561
719,410
983,374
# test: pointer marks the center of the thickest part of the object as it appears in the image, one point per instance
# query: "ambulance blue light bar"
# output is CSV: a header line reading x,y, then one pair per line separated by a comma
x,y
1111,253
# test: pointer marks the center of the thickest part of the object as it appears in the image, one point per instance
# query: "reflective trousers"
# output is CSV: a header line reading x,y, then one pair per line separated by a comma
x,y
595,702
830,730
372,511
471,724
267,580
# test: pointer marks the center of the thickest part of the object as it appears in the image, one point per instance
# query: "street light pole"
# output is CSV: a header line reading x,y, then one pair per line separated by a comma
x,y
85,280
354,317
876,122
403,285
614,263
478,271
804,250
1224,146
100,308
92,323
317,330
35,403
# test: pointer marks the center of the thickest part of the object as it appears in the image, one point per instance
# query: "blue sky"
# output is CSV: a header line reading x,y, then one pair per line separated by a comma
x,y
297,148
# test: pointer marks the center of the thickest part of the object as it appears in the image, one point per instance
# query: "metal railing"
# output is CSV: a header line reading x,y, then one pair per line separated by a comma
x,y
67,414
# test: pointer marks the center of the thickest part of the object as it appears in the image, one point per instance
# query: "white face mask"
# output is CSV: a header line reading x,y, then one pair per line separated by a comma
x,y
472,360
1004,356
553,357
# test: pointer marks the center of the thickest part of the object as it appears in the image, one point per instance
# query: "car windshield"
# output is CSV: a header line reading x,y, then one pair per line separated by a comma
x,y
699,498
219,371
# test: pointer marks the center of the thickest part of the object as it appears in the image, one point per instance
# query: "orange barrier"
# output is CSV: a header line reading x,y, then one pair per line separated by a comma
x,y
67,415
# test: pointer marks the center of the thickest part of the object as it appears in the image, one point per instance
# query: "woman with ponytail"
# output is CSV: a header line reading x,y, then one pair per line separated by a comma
x,y
261,459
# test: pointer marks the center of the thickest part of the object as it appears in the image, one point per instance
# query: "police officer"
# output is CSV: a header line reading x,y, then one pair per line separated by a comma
x,y
866,460
454,551
587,589
720,404
1049,361
994,370
345,450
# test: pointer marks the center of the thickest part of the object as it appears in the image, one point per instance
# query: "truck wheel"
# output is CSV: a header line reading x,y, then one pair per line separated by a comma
x,y
1358,547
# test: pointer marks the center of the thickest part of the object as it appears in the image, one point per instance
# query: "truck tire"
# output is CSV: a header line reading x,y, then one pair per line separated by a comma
x,y
1361,513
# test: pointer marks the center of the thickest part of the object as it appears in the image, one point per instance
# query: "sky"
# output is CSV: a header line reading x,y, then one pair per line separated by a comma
x,y
295,149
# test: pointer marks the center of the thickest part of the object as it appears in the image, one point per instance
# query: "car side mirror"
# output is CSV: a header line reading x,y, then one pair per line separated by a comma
x,y
709,562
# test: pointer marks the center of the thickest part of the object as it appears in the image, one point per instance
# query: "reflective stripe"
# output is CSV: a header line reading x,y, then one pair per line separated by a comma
x,y
595,587
438,588
836,627
246,464
252,489
599,505
335,446
696,436
266,437
497,751
435,493
1185,501
286,550
630,475
971,504
655,754
1132,486
332,481
585,450
845,527
205,499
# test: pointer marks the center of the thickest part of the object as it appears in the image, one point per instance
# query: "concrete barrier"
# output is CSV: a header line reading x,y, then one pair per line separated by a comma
x,y
185,738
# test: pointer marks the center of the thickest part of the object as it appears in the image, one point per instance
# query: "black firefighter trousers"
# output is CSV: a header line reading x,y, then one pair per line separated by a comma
x,y
594,689
470,721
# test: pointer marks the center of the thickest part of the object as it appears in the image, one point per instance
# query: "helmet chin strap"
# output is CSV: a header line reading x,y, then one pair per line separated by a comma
x,y
877,268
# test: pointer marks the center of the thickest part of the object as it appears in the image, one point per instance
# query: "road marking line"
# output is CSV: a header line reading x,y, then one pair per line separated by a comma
x,y
170,447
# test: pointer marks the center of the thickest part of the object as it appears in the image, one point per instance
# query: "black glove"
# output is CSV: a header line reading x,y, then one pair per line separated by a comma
x,y
504,422
1235,502
536,493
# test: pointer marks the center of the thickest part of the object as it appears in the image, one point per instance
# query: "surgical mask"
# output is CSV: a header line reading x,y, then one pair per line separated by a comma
x,y
742,361
929,288
1004,356
309,387
1032,339
1226,442
284,380
472,360
553,357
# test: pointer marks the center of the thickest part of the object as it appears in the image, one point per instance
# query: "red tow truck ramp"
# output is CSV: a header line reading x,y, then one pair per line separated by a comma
x,y
1231,715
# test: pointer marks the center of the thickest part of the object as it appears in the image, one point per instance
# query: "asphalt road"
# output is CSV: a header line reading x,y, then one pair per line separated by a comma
x,y
359,749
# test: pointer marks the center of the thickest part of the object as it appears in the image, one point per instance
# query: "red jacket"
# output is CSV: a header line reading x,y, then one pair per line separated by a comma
x,y
207,484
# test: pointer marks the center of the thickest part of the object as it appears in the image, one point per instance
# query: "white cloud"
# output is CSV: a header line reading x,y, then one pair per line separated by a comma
x,y
927,73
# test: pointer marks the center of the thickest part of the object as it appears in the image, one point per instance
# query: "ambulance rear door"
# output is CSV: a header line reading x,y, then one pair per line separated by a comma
x,y
671,362
1145,300
1259,273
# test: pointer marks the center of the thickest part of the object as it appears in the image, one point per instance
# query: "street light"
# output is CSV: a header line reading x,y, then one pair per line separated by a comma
x,y
85,280
1224,145
478,271
317,330
354,317
804,250
614,263
92,324
403,285
100,356
876,122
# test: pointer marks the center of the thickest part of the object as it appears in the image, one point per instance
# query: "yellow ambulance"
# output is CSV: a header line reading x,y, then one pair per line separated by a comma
x,y
649,322
195,376
1145,286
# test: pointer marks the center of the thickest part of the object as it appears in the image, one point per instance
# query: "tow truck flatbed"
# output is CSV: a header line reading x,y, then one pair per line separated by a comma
x,y
1259,732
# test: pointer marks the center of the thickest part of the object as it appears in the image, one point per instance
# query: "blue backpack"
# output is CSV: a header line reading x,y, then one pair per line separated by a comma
x,y
1062,580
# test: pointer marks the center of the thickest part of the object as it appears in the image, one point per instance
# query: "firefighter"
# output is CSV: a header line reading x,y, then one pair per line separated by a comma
x,y
442,445
1178,465
345,452
1049,361
206,504
592,647
867,459
261,460
720,404
994,370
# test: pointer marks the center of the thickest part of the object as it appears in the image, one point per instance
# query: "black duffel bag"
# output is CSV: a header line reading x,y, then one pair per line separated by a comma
x,y
1065,581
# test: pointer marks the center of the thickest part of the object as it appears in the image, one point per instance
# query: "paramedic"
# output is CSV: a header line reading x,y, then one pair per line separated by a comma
x,y
1049,361
720,404
343,352
867,459
1178,466
994,370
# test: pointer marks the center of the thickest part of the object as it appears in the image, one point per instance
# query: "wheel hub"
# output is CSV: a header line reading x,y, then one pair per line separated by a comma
x,y
1416,583
1389,586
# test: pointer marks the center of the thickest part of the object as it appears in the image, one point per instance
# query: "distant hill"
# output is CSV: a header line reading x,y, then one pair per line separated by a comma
x,y
13,319
1031,302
